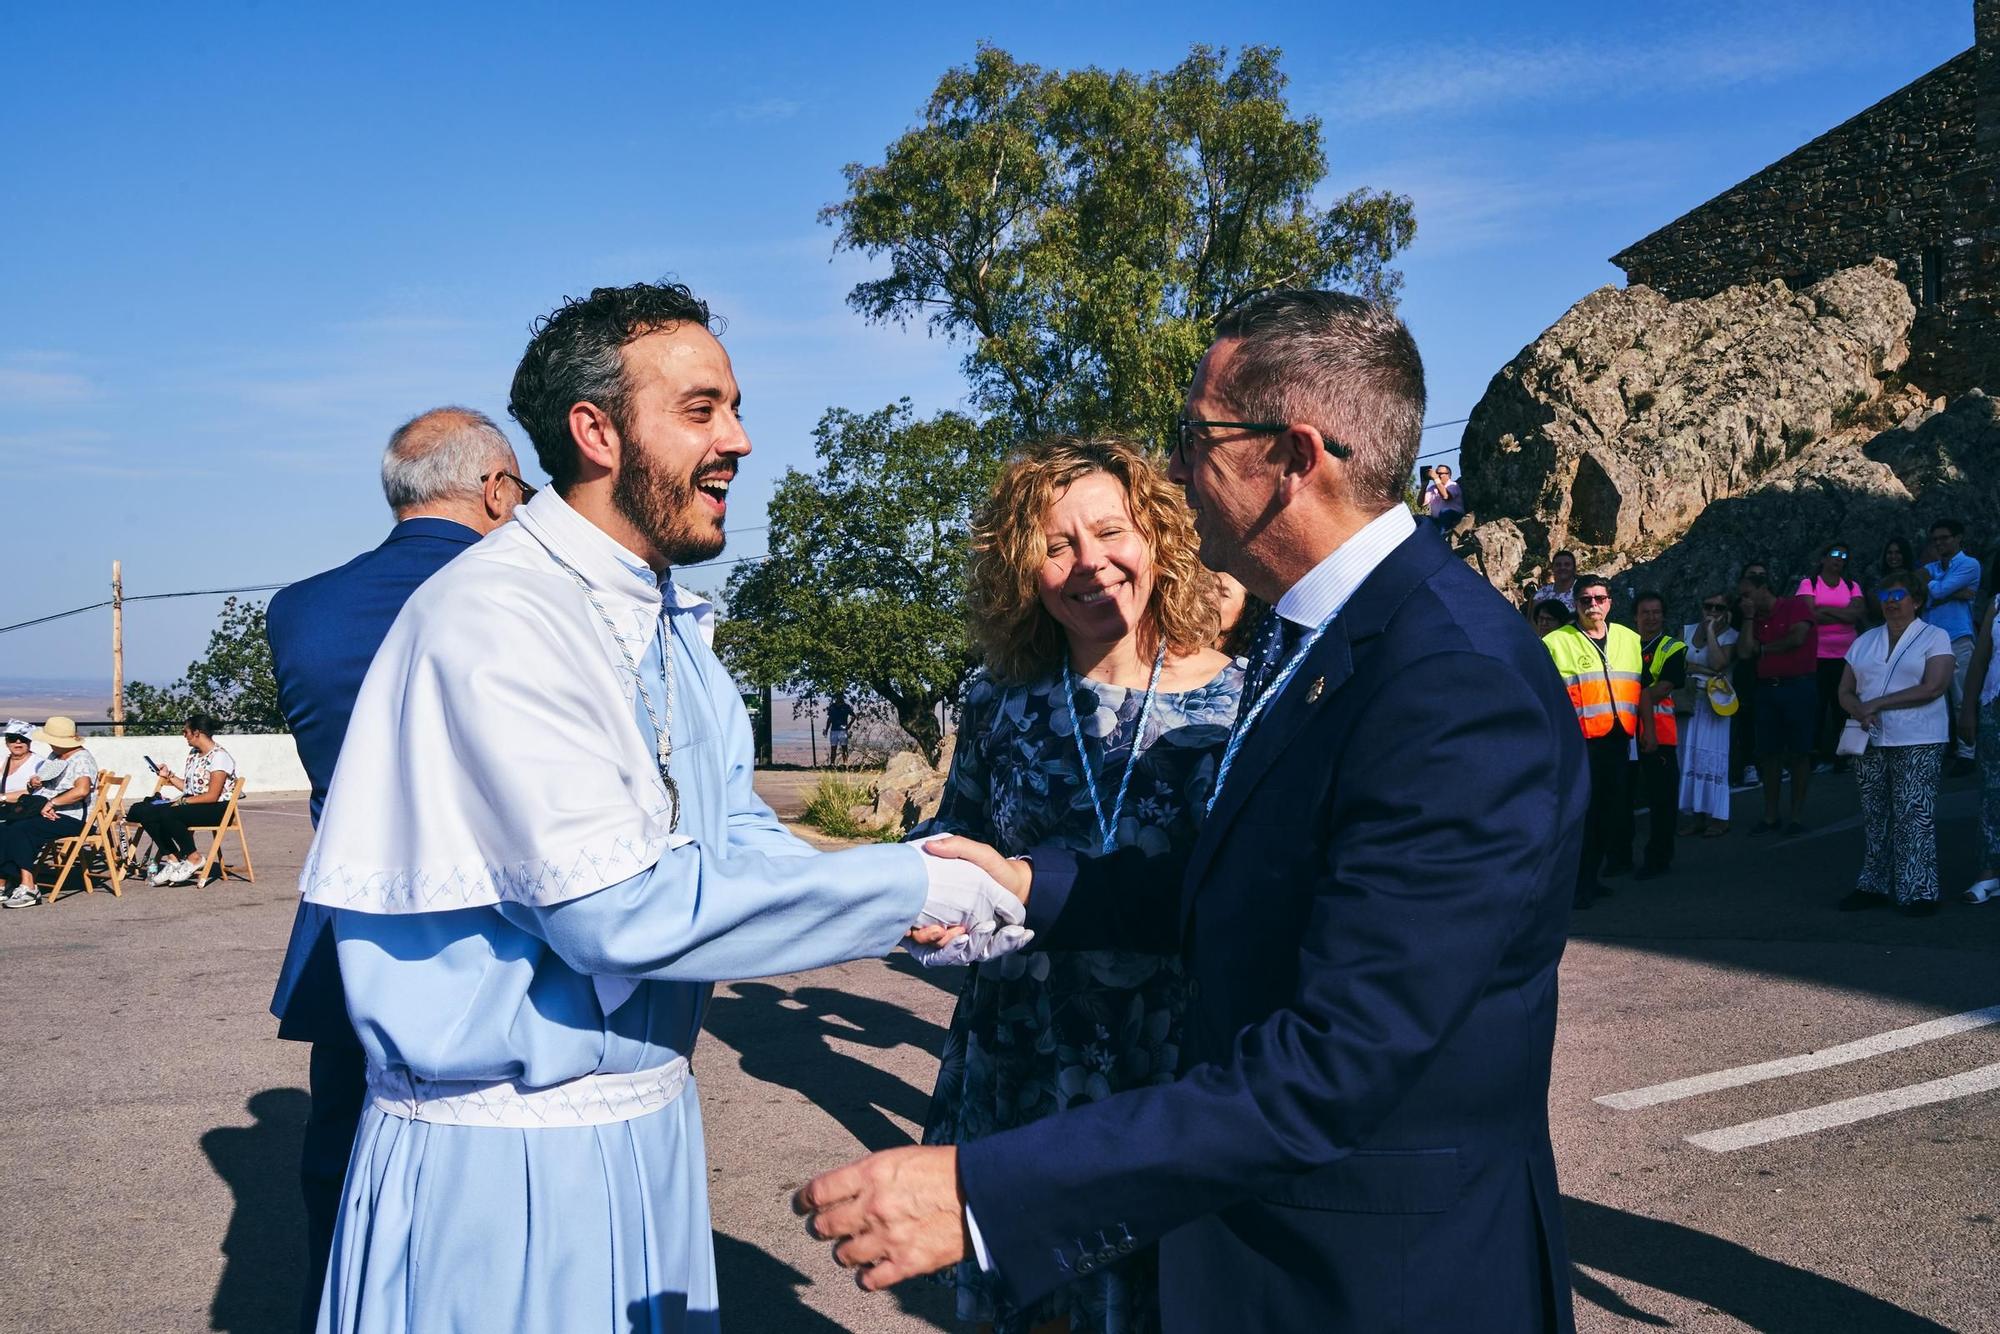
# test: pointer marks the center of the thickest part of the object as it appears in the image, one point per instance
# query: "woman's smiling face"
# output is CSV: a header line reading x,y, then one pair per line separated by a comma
x,y
1097,578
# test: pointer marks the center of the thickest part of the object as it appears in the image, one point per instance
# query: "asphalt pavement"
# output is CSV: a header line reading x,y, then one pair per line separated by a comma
x,y
1768,1115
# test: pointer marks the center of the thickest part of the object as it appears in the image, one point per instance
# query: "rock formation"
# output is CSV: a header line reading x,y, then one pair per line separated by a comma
x,y
1633,415
1935,463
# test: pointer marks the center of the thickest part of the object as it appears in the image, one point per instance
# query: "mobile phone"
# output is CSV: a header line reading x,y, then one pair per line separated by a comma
x,y
150,765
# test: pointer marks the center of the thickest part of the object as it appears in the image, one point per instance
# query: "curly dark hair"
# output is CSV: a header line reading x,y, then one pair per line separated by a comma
x,y
574,357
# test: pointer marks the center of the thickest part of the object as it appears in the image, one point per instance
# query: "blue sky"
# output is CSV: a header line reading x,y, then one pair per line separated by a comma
x,y
242,242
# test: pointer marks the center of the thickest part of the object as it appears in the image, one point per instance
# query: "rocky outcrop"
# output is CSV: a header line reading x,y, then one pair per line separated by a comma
x,y
911,789
1936,463
1634,415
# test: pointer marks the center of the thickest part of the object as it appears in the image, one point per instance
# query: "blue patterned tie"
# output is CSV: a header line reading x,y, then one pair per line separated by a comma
x,y
1270,648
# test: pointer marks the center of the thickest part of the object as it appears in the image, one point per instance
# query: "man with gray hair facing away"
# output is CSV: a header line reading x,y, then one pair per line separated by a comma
x,y
450,477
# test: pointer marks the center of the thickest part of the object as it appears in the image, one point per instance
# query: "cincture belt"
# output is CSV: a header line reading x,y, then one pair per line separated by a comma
x,y
588,1100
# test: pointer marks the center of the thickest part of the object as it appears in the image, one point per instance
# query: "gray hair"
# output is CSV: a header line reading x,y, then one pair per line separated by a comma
x,y
439,455
1340,363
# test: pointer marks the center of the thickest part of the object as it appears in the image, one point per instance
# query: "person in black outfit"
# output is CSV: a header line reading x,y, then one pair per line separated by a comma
x,y
1665,671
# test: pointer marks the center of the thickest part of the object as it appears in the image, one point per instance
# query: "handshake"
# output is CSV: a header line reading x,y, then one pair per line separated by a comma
x,y
975,904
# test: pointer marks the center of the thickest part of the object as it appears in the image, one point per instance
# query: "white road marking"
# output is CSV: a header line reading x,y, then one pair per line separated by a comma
x,y
1751,1133
1894,1040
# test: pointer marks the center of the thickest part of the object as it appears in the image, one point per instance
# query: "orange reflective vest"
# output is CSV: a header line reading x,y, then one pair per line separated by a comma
x,y
1653,659
1603,686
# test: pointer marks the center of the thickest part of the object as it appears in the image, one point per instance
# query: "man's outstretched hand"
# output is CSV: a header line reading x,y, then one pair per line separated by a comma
x,y
1016,875
891,1216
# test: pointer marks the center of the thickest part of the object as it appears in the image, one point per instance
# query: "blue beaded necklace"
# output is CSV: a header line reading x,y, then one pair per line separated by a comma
x,y
1108,829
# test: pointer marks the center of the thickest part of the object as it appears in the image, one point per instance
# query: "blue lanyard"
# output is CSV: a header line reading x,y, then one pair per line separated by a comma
x,y
1108,829
1245,721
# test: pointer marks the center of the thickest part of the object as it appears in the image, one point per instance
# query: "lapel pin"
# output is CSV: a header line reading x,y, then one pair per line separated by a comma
x,y
1315,690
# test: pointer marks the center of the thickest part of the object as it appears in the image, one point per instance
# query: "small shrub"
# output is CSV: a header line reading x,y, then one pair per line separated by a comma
x,y
830,810
1798,437
1643,401
1849,409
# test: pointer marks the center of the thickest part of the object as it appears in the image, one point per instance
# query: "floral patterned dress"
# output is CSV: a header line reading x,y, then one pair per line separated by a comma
x,y
1039,1032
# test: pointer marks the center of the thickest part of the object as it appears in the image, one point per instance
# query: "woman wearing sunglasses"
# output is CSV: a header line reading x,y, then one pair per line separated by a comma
x,y
1894,687
1704,798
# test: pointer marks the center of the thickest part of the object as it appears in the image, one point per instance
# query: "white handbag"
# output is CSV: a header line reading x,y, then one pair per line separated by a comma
x,y
1853,739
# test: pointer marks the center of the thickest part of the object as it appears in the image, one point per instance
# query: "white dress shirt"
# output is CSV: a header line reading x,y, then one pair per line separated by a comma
x,y
1326,587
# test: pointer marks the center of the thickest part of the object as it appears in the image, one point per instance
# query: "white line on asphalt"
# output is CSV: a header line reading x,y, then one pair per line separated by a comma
x,y
1894,1040
1751,1133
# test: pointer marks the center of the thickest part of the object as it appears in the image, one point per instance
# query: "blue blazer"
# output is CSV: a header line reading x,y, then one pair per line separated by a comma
x,y
324,632
1371,922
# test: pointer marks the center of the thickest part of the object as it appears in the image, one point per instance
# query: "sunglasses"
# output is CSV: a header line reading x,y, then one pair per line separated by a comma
x,y
527,492
1715,606
1592,599
1892,595
1836,554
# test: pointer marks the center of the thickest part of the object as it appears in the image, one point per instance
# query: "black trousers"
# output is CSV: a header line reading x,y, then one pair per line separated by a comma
x,y
339,1086
1660,785
169,822
1607,833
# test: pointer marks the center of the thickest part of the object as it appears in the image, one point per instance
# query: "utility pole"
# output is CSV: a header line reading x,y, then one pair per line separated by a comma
x,y
117,649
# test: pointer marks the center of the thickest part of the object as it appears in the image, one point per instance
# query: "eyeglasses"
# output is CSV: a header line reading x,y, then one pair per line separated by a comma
x,y
1592,599
1892,595
1836,554
1187,432
527,492
1715,606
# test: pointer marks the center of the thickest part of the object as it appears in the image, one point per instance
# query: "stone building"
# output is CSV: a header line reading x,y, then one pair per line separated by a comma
x,y
1914,178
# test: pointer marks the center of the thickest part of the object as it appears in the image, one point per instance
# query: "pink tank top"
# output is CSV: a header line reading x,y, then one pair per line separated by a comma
x,y
1834,638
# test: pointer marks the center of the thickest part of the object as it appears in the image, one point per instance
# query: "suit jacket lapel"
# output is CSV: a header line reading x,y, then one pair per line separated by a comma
x,y
1331,664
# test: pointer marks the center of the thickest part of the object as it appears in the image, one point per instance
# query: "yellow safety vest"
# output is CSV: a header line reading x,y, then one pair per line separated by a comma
x,y
1666,727
1603,687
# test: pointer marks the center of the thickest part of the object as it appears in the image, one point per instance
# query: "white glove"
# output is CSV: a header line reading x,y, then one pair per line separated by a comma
x,y
976,946
960,894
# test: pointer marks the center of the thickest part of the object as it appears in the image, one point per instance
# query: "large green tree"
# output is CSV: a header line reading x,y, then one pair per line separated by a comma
x,y
863,588
1082,229
234,680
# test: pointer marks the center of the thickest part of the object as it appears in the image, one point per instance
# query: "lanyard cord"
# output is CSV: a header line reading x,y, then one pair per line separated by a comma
x,y
662,730
1107,830
1244,721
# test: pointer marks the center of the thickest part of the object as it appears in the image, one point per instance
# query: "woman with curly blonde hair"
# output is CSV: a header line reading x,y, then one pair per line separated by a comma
x,y
1096,725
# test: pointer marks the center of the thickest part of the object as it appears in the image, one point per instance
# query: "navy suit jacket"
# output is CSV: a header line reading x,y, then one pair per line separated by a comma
x,y
324,632
1371,921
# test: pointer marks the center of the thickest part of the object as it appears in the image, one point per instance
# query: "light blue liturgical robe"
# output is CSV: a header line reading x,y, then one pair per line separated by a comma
x,y
562,1227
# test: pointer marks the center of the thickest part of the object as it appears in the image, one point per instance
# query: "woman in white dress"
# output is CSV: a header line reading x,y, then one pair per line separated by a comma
x,y
1705,748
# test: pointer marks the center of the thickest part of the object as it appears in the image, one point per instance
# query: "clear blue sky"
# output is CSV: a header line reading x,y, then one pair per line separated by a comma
x,y
241,242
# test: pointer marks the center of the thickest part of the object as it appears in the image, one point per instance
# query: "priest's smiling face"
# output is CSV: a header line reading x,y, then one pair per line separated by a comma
x,y
680,437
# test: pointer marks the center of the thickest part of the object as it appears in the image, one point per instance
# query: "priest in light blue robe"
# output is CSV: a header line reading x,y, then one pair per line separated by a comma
x,y
528,935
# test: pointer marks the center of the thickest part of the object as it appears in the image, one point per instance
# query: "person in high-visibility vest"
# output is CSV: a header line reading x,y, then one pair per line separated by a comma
x,y
1663,669
1600,664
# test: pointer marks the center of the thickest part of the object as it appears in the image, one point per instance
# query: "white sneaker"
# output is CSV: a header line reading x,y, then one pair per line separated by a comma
x,y
183,874
165,873
1982,891
22,897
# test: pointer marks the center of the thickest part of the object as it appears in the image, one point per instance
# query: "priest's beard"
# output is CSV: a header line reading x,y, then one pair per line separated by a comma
x,y
665,508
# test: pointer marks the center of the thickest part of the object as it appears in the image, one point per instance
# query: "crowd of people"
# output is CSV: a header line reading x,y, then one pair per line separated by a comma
x,y
49,780
1884,676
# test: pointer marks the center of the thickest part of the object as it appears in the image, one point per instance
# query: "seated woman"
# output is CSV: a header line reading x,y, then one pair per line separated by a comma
x,y
204,787
61,787
1097,724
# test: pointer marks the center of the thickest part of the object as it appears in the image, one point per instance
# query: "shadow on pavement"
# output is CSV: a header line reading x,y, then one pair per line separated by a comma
x,y
786,1044
949,980
1762,1293
264,1250
761,1292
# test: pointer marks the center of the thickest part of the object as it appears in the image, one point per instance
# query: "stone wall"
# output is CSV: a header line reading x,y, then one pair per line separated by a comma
x,y
1912,178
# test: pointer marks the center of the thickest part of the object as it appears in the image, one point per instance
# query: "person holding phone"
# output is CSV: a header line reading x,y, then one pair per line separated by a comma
x,y
203,785
1704,795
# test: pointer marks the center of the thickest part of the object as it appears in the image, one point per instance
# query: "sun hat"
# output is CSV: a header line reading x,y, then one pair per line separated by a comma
x,y
1721,696
58,734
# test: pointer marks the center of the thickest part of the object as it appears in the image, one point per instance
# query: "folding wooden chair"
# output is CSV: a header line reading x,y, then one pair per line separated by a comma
x,y
98,836
230,822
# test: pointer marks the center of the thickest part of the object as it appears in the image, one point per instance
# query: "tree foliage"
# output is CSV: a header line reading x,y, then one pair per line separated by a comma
x,y
234,681
864,585
1083,229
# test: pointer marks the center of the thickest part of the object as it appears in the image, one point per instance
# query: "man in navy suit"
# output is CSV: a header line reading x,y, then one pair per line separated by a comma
x,y
1371,920
451,478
